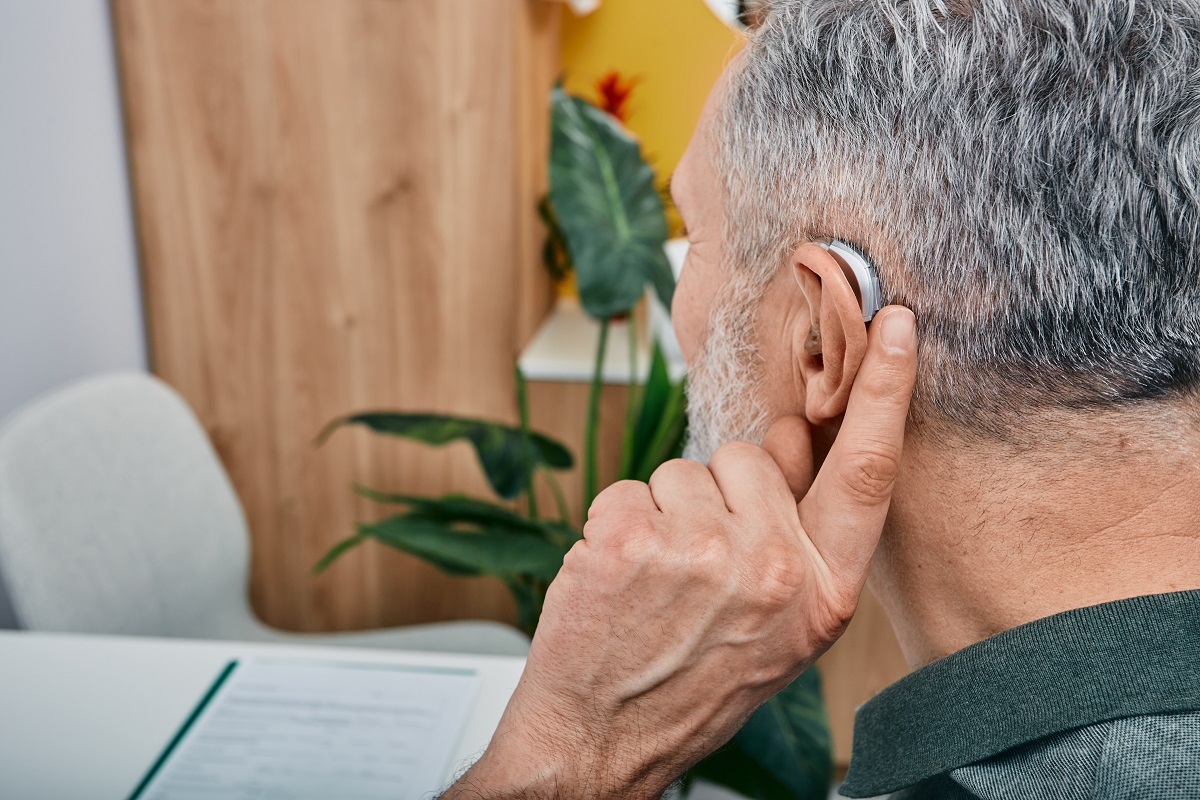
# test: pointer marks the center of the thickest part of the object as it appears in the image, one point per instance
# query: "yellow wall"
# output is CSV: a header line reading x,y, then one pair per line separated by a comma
x,y
676,47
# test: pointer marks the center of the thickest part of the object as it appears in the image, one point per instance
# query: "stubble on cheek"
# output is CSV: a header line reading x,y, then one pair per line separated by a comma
x,y
724,391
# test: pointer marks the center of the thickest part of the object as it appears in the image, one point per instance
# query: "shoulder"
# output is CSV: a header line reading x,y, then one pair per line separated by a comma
x,y
1152,757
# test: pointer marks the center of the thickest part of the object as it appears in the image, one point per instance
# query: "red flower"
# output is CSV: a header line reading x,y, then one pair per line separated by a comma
x,y
614,94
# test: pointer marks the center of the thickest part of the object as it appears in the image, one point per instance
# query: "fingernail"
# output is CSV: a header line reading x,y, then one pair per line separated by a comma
x,y
899,332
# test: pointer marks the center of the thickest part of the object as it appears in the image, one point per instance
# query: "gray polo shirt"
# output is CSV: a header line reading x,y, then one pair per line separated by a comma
x,y
1094,703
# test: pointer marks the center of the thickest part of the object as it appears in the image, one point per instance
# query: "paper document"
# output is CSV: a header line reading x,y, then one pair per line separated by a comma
x,y
284,730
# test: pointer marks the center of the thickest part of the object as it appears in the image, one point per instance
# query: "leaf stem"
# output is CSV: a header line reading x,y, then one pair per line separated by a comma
x,y
560,499
631,405
592,431
527,442
336,552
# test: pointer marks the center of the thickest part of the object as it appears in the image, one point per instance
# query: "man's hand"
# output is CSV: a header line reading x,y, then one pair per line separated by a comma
x,y
692,600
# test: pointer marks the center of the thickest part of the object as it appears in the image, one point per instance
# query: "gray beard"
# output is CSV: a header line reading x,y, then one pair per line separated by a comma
x,y
724,396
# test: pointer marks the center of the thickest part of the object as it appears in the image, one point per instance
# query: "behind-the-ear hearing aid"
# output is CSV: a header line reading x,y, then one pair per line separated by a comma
x,y
862,274
864,280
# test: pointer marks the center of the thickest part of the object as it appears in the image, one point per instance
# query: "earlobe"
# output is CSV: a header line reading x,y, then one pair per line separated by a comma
x,y
836,340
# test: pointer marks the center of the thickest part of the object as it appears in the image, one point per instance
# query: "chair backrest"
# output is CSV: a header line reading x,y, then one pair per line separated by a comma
x,y
116,515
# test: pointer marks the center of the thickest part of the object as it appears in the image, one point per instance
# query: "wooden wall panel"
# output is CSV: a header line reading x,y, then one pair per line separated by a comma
x,y
336,211
560,410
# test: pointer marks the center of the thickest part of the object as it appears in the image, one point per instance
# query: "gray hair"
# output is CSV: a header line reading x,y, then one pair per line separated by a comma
x,y
1025,174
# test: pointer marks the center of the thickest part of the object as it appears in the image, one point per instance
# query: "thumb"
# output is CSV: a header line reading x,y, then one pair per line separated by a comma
x,y
846,509
789,443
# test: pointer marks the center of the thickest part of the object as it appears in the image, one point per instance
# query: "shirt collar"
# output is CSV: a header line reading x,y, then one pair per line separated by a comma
x,y
1081,667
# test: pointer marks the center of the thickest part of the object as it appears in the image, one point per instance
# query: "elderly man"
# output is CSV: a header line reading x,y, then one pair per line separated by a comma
x,y
1025,175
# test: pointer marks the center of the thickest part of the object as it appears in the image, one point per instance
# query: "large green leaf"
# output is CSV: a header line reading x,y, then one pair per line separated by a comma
x,y
607,207
662,421
349,543
555,255
783,752
655,396
459,508
667,441
486,551
501,448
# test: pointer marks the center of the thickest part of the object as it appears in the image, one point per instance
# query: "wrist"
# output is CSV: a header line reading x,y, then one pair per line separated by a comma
x,y
546,757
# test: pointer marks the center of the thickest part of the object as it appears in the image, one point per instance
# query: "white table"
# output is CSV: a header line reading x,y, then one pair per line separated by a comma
x,y
85,716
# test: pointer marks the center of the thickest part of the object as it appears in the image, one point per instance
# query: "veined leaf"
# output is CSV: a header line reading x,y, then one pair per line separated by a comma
x,y
458,508
661,420
783,752
667,439
654,397
555,255
501,448
607,207
487,551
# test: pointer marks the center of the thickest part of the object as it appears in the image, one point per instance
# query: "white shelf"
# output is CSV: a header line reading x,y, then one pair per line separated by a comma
x,y
564,348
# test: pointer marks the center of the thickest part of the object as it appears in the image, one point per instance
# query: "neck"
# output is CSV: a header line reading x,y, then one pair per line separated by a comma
x,y
985,537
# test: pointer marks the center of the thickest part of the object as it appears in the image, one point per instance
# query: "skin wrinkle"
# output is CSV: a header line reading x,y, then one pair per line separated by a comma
x,y
1120,527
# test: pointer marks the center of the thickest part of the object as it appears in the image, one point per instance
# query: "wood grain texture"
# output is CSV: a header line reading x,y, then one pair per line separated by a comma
x,y
560,409
336,212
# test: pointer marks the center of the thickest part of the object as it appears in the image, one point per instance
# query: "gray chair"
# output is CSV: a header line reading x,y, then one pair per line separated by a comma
x,y
116,517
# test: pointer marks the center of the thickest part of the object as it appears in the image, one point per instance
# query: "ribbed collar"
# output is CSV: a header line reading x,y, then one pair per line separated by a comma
x,y
1085,666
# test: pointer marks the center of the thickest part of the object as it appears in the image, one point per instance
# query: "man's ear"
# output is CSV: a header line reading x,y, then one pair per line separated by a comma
x,y
832,350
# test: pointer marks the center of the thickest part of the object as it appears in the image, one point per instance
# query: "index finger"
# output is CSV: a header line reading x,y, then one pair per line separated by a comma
x,y
844,512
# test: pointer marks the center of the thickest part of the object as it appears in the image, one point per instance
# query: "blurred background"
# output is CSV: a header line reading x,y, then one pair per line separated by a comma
x,y
291,210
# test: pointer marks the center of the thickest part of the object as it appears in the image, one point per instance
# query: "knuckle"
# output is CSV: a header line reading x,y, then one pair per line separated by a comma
x,y
574,560
594,530
664,470
711,557
640,532
779,579
625,487
835,615
636,541
737,451
889,385
870,471
620,529
619,495
677,467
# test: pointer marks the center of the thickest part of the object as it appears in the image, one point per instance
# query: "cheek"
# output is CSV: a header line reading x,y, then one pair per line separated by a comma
x,y
694,295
